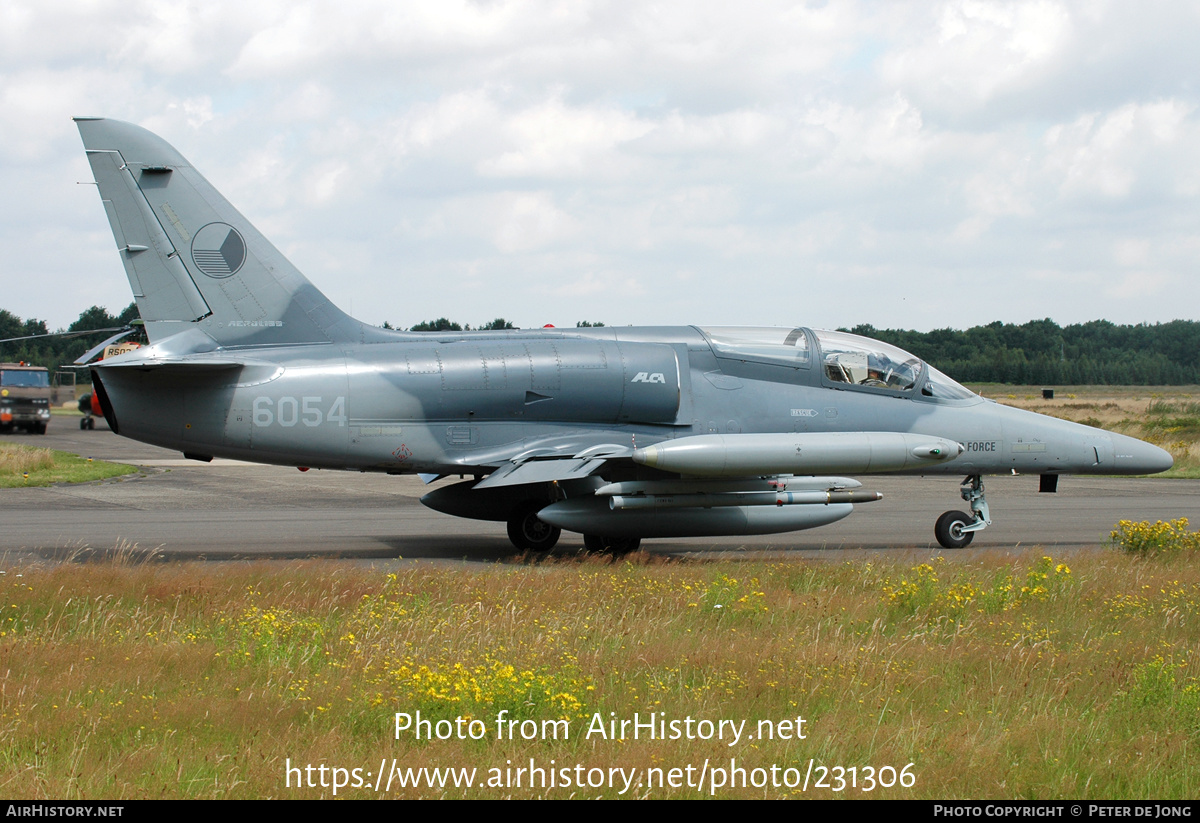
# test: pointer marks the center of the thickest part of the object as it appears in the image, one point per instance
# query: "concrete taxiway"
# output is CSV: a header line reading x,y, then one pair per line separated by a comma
x,y
227,509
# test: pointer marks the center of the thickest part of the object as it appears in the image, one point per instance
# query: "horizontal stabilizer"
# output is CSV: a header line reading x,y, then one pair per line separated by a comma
x,y
83,359
195,363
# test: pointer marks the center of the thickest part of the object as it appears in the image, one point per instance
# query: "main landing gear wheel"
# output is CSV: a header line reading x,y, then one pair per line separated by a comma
x,y
616,546
529,533
949,530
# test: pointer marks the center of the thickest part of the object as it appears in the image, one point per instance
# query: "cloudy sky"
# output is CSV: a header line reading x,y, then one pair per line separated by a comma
x,y
904,164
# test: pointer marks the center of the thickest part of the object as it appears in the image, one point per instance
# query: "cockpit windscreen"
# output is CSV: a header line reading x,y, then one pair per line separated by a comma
x,y
940,386
860,361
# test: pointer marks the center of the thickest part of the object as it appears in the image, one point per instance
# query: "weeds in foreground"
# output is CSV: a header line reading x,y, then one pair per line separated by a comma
x,y
994,678
923,591
17,460
1146,539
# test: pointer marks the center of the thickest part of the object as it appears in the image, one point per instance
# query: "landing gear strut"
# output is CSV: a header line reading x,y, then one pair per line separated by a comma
x,y
955,529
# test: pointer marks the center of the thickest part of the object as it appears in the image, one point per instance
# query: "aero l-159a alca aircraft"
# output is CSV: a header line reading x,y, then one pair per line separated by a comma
x,y
617,433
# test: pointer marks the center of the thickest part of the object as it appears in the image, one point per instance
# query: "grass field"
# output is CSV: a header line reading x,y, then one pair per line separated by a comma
x,y
987,678
1168,416
970,677
32,466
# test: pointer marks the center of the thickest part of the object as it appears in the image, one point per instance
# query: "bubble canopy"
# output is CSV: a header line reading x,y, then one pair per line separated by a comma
x,y
847,359
770,344
861,361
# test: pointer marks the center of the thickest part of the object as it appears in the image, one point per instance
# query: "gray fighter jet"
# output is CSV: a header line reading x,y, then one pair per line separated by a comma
x,y
617,433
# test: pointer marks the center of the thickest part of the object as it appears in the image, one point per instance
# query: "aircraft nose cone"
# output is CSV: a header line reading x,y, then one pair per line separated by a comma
x,y
1138,457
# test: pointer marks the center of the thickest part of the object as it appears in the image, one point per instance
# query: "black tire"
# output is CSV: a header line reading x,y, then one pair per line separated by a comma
x,y
83,424
528,533
621,546
949,530
38,428
91,423
616,546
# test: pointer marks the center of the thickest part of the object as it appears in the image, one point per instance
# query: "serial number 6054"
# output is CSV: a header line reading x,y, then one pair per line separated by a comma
x,y
289,411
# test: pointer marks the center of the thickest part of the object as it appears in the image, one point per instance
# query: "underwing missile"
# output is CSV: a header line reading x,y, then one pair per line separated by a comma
x,y
681,501
740,485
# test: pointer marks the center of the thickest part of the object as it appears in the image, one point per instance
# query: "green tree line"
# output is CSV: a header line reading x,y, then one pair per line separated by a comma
x,y
55,352
442,324
1042,352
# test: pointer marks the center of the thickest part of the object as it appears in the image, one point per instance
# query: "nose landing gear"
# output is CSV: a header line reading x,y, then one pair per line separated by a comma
x,y
955,529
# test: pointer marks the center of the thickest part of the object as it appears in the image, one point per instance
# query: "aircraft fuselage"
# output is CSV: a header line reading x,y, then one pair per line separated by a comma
x,y
458,403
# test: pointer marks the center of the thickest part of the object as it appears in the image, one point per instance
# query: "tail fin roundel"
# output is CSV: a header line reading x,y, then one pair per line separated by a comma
x,y
192,259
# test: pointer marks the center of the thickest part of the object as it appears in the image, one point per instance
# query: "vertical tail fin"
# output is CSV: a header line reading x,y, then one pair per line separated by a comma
x,y
192,259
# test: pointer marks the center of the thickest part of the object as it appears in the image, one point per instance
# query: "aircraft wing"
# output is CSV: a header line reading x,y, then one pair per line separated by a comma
x,y
738,456
546,463
540,471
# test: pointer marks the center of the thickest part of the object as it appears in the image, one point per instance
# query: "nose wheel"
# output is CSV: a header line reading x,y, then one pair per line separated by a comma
x,y
949,530
955,529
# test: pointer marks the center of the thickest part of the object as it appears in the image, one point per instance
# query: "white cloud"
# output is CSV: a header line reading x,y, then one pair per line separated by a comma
x,y
1107,154
530,221
969,51
555,140
1010,147
886,137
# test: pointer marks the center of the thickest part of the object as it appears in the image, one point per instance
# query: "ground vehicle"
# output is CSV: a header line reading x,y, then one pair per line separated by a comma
x,y
24,397
617,433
